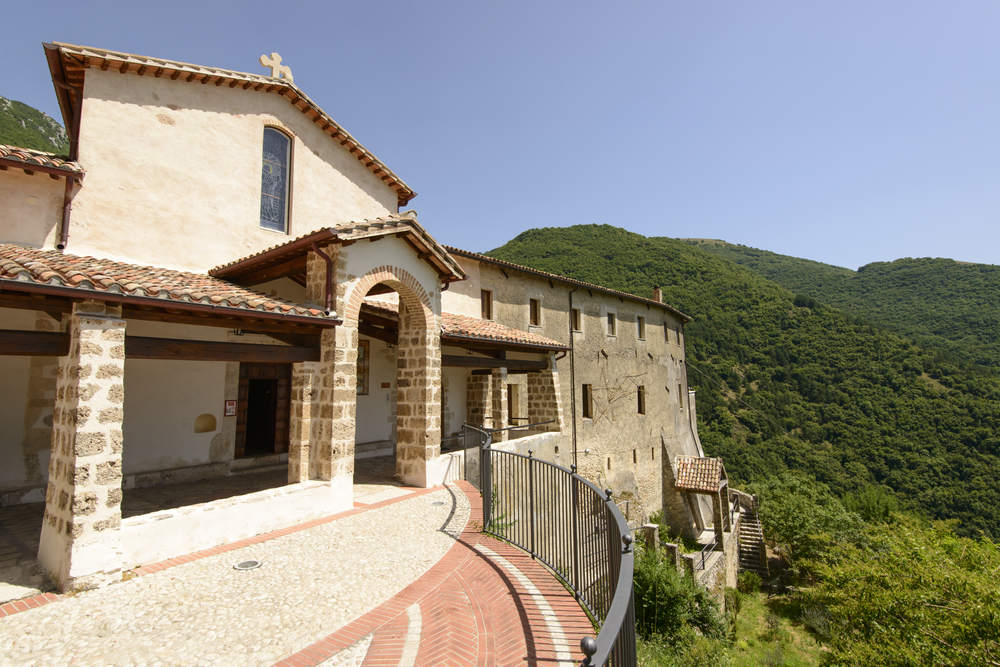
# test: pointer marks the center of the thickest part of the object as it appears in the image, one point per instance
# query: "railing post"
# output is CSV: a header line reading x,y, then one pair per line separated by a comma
x,y
531,499
486,475
576,533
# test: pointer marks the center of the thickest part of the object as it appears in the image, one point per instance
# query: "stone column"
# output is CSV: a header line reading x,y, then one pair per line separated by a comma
x,y
718,517
80,545
418,400
500,404
479,401
304,402
543,399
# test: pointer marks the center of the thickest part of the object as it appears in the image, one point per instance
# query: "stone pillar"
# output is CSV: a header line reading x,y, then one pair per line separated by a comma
x,y
38,411
332,448
479,401
674,555
544,402
304,403
80,545
651,535
718,517
500,404
418,399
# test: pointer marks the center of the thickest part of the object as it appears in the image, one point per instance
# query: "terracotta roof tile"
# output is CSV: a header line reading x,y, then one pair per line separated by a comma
x,y
564,279
470,328
699,474
103,277
32,158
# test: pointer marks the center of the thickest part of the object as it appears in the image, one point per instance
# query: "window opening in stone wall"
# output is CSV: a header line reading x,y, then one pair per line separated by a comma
x,y
274,180
641,321
609,463
666,332
577,320
652,453
611,324
535,312
486,298
635,458
680,396
642,400
588,402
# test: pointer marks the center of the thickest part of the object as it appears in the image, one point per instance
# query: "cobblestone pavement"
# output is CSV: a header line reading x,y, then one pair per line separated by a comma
x,y
20,525
204,612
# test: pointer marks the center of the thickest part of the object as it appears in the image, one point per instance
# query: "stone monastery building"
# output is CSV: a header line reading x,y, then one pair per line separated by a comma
x,y
218,277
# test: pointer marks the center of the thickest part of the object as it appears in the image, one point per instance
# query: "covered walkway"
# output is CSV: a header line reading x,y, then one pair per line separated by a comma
x,y
402,579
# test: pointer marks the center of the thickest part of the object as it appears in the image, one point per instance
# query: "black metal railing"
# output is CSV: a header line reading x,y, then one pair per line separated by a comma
x,y
575,529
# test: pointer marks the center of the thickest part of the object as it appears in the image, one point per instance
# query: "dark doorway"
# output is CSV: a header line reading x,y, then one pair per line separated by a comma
x,y
261,404
262,417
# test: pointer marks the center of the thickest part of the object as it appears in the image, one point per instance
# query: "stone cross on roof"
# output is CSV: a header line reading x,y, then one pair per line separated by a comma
x,y
277,69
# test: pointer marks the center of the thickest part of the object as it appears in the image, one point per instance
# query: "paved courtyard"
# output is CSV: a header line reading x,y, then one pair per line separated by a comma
x,y
403,579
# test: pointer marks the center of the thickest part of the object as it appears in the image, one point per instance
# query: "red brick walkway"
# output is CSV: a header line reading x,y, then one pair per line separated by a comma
x,y
484,604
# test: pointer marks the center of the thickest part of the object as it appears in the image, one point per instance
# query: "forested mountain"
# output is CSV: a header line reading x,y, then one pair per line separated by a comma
x,y
27,127
786,382
941,303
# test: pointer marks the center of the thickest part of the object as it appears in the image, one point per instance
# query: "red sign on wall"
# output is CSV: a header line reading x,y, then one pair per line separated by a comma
x,y
230,408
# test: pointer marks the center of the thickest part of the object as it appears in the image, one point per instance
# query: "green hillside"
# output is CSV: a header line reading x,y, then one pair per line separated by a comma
x,y
944,304
26,127
785,382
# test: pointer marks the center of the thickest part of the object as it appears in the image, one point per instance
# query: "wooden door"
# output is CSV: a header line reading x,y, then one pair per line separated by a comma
x,y
280,420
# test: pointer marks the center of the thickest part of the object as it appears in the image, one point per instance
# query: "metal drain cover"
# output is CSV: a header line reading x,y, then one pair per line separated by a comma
x,y
438,502
247,565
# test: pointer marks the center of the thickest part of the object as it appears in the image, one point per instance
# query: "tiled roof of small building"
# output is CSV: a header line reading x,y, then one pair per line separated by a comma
x,y
404,224
29,158
571,281
699,474
32,267
75,60
458,327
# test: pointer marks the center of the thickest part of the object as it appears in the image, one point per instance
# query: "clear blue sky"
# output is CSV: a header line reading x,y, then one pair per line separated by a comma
x,y
846,132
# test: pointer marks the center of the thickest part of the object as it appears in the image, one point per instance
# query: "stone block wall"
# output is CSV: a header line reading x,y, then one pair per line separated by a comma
x,y
42,378
479,401
80,543
499,396
543,400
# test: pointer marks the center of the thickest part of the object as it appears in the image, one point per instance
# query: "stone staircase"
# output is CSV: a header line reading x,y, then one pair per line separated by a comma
x,y
753,556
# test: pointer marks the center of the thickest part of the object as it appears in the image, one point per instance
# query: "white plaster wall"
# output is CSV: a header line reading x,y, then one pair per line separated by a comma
x,y
173,173
13,400
285,288
365,256
375,419
464,297
455,392
30,208
162,401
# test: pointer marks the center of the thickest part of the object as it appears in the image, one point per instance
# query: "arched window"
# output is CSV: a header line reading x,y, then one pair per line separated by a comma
x,y
274,180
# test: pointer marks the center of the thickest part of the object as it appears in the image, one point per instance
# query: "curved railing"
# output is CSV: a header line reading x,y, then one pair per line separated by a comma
x,y
575,529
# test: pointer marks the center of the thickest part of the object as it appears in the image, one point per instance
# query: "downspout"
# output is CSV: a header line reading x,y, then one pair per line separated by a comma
x,y
329,277
67,208
572,373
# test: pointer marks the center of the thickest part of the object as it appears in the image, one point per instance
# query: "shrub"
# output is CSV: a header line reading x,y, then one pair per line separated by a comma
x,y
669,604
748,582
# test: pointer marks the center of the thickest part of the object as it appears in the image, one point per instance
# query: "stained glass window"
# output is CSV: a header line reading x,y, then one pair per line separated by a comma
x,y
274,181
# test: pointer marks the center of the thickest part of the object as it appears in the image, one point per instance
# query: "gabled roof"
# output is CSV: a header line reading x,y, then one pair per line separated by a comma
x,y
50,272
700,474
288,259
461,328
31,160
68,64
563,279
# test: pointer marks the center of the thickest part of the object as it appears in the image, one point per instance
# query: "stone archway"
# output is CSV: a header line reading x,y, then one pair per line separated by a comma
x,y
418,373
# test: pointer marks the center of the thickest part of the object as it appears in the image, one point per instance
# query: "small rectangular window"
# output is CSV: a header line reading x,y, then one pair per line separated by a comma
x,y
642,327
535,312
680,396
588,402
486,298
577,320
611,324
642,400
666,332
